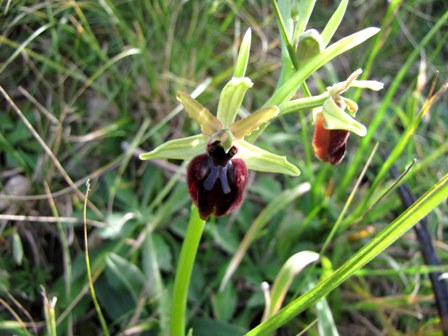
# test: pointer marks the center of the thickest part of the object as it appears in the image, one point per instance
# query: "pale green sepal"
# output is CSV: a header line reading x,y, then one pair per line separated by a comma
x,y
264,161
337,119
253,121
243,55
368,84
310,45
208,122
231,98
180,149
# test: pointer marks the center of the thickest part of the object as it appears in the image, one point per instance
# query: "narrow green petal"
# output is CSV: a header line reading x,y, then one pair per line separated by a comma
x,y
180,149
351,106
231,98
337,119
264,161
253,121
208,122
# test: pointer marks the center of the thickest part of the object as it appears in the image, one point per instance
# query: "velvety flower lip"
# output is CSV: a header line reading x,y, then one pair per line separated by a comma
x,y
329,145
216,181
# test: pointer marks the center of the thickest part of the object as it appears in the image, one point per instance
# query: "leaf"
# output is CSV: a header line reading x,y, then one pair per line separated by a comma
x,y
290,269
224,303
17,249
207,327
124,275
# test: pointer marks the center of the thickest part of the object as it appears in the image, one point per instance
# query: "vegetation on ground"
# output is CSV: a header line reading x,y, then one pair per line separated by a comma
x,y
88,86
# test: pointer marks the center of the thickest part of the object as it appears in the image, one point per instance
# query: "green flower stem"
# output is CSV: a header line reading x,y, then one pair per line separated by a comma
x,y
183,273
303,103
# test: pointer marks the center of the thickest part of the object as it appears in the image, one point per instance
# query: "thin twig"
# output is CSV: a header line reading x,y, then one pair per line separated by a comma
x,y
89,272
62,192
48,151
49,219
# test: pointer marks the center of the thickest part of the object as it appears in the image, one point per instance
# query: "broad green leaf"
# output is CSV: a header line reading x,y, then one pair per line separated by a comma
x,y
207,327
151,267
125,275
224,303
115,224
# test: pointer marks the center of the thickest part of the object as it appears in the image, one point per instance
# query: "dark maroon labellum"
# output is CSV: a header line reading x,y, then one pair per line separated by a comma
x,y
329,145
216,181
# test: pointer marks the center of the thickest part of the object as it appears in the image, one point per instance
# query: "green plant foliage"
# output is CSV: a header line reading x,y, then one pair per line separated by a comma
x,y
88,87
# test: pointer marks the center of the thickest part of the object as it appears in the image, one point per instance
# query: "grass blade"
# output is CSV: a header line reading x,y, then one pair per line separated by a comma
x,y
379,243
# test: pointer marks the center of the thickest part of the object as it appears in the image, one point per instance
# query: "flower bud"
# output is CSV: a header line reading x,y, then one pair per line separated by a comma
x,y
216,181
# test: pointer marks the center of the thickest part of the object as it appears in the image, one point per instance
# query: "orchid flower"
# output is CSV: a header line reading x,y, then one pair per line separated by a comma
x,y
220,157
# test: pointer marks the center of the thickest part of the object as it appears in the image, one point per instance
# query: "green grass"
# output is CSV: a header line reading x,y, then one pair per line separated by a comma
x,y
97,82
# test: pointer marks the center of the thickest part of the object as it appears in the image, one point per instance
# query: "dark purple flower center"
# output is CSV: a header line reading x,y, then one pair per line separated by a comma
x,y
216,180
220,165
218,173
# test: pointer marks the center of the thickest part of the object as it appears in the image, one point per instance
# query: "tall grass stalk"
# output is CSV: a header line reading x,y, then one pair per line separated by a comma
x,y
89,272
